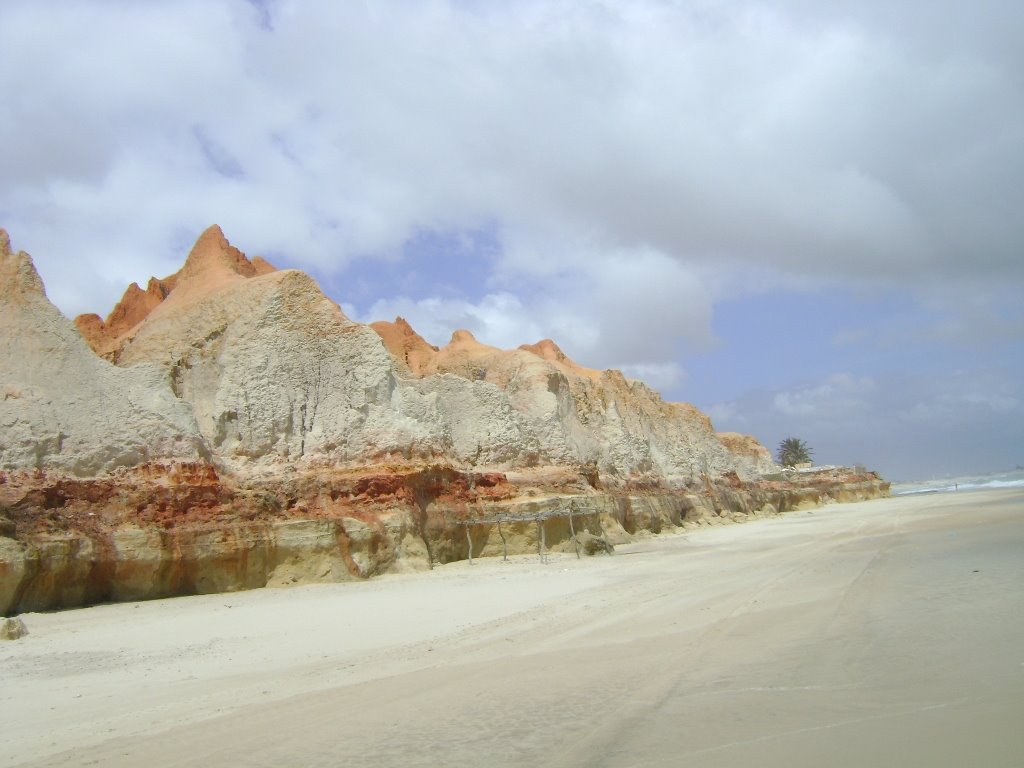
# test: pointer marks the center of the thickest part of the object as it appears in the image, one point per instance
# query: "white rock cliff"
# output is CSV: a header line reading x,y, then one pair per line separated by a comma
x,y
61,406
228,412
274,371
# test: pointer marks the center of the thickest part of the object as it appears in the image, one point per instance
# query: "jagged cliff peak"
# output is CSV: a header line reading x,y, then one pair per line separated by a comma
x,y
406,346
547,349
63,408
135,305
211,264
261,266
274,372
465,338
18,275
465,356
214,263
694,415
212,254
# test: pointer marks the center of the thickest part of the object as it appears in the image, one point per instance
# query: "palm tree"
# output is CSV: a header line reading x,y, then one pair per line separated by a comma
x,y
793,451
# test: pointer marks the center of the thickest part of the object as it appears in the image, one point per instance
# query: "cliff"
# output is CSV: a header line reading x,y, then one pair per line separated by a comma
x,y
230,427
748,446
64,409
274,372
161,530
212,262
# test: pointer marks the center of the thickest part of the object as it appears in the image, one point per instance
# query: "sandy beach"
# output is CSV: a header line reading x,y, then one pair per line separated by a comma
x,y
888,632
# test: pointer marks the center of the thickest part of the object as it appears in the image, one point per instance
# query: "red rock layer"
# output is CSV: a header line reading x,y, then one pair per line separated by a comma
x,y
160,530
189,494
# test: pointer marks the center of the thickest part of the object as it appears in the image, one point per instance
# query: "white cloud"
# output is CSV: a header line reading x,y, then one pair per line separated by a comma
x,y
499,319
800,138
839,396
726,413
907,426
963,399
633,311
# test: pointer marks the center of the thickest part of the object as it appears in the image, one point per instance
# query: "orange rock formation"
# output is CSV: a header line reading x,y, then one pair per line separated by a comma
x,y
212,263
266,439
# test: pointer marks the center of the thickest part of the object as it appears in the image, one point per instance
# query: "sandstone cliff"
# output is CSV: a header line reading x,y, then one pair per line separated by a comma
x,y
749,447
212,259
160,530
274,371
572,415
63,408
104,336
251,434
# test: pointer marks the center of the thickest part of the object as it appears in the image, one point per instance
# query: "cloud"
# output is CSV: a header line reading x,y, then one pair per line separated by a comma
x,y
812,141
962,399
849,336
727,413
634,311
908,426
660,376
499,319
838,397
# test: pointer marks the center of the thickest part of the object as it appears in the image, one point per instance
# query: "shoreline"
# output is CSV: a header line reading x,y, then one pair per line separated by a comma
x,y
125,679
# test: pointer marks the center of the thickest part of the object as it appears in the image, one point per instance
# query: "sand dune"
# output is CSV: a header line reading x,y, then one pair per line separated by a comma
x,y
888,632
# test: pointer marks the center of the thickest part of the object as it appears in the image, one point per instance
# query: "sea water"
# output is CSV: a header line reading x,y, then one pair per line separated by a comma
x,y
1012,479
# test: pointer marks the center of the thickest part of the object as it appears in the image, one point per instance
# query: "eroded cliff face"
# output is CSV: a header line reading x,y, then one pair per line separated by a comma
x,y
251,434
162,530
750,448
212,262
62,408
274,371
567,414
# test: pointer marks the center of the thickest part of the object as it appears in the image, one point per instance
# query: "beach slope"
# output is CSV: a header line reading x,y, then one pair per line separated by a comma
x,y
888,632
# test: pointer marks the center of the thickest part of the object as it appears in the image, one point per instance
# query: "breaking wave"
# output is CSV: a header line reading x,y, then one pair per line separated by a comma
x,y
1013,479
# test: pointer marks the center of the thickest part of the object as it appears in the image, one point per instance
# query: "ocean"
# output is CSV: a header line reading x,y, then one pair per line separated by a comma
x,y
1012,479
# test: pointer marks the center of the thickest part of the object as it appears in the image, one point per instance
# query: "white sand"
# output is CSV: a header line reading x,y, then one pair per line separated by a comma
x,y
882,633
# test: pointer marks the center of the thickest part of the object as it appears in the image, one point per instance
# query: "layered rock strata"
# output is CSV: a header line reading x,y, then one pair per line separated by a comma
x,y
165,530
230,427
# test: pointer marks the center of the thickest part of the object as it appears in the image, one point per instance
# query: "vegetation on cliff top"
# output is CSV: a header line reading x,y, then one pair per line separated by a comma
x,y
793,451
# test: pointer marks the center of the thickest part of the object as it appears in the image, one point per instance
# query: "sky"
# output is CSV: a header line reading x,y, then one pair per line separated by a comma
x,y
803,217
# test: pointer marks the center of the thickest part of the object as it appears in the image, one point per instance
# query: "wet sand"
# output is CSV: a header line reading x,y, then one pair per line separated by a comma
x,y
884,633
